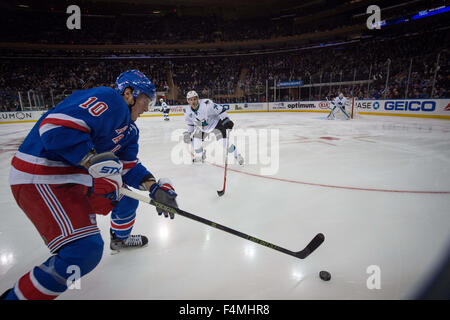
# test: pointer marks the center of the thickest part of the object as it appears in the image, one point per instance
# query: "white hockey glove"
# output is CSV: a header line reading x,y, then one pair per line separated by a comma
x,y
106,169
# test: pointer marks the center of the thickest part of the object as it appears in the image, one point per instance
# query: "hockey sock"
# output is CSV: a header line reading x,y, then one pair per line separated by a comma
x,y
50,279
197,144
123,217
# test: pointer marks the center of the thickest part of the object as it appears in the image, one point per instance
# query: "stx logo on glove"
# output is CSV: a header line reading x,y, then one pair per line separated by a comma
x,y
110,170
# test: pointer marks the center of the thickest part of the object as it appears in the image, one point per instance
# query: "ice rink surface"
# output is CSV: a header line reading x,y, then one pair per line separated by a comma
x,y
377,187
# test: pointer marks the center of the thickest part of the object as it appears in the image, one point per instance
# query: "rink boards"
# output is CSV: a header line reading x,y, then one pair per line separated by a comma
x,y
420,108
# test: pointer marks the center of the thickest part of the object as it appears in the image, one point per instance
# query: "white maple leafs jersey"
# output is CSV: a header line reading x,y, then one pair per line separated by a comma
x,y
340,102
205,117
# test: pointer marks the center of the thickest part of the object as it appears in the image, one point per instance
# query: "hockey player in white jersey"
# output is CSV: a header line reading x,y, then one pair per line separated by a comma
x,y
165,109
339,102
203,116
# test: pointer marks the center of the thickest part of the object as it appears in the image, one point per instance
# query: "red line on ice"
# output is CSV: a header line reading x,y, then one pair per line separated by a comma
x,y
332,186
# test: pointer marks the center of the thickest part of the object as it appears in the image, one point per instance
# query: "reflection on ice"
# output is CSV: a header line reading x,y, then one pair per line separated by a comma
x,y
6,259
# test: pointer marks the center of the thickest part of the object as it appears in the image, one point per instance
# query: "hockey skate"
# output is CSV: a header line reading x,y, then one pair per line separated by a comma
x,y
199,159
240,159
132,242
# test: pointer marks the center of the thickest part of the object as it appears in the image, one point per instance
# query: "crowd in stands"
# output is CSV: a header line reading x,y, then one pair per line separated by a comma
x,y
55,79
49,27
118,23
120,29
220,74
249,78
368,60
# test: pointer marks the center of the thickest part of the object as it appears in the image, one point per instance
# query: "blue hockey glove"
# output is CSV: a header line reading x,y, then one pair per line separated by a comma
x,y
163,192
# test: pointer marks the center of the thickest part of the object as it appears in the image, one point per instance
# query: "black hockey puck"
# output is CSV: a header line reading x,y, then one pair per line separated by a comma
x,y
325,275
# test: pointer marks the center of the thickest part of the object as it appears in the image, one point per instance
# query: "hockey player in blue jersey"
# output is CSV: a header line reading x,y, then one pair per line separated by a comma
x,y
70,168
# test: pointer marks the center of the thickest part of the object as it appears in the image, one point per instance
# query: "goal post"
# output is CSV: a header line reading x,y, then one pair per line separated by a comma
x,y
350,108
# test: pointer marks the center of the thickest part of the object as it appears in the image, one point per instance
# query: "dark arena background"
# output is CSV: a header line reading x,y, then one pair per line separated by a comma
x,y
360,187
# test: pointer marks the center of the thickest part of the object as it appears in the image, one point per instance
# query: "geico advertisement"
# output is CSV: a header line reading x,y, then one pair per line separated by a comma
x,y
424,106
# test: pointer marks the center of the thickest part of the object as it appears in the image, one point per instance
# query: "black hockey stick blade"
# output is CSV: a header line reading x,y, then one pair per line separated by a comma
x,y
221,193
312,245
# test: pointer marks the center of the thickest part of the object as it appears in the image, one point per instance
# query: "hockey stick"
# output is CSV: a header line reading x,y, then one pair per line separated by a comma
x,y
221,192
302,254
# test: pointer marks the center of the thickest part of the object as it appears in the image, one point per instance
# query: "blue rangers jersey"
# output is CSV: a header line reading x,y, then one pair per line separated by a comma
x,y
97,119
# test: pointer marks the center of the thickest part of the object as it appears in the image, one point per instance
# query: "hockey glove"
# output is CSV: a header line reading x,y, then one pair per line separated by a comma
x,y
227,123
187,137
106,169
163,192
